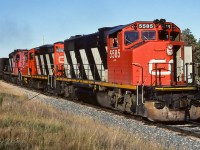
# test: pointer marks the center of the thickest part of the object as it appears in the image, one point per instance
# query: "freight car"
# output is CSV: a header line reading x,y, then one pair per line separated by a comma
x,y
138,68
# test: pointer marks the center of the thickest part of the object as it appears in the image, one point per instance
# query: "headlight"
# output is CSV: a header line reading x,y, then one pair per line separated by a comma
x,y
170,49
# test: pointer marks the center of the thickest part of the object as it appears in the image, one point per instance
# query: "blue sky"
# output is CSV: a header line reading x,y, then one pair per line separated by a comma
x,y
23,23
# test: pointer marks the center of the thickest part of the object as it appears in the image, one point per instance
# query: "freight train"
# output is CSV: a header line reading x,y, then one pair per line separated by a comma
x,y
141,68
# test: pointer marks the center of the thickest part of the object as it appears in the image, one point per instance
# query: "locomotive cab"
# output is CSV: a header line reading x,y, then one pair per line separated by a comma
x,y
32,68
59,58
20,62
147,50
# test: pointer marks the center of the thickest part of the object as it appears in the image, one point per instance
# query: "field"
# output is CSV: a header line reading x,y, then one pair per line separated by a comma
x,y
26,124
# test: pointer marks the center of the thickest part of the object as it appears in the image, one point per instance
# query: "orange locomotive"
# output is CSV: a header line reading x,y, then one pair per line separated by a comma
x,y
50,56
139,68
45,61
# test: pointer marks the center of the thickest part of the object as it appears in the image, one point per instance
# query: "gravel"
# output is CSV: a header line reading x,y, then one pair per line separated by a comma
x,y
149,132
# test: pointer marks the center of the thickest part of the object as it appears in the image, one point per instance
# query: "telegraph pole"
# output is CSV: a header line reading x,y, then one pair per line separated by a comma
x,y
43,39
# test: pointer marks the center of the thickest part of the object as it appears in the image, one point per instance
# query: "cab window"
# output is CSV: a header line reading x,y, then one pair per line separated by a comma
x,y
59,50
130,37
174,36
148,35
163,35
17,57
114,41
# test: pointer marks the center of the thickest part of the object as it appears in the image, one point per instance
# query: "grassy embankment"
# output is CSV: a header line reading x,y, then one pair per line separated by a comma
x,y
26,124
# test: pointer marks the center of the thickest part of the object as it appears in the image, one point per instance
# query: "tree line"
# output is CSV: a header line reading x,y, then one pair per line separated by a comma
x,y
189,40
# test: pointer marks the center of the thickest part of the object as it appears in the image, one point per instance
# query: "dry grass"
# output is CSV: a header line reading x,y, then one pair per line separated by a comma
x,y
31,125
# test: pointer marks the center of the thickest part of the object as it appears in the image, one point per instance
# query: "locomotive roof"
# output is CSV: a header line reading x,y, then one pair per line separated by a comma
x,y
116,29
100,31
59,42
80,36
17,50
46,45
120,27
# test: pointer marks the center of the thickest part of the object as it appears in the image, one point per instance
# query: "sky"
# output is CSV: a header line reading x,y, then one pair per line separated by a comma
x,y
25,24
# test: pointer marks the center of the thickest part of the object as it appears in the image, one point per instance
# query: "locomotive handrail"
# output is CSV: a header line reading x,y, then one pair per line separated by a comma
x,y
83,71
158,73
187,74
138,65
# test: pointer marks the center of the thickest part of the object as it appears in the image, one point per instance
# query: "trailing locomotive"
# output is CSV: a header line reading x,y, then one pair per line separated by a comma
x,y
139,68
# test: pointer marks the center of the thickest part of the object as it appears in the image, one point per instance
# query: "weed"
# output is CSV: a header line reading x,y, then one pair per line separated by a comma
x,y
1,101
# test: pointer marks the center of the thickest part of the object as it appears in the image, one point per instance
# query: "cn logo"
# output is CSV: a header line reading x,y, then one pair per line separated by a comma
x,y
61,59
154,61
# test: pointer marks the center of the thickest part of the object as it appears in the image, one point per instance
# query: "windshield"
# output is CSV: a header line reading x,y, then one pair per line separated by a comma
x,y
164,35
130,37
148,35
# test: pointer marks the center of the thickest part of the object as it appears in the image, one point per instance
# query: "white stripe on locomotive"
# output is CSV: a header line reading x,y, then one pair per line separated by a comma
x,y
37,65
86,65
101,70
43,65
11,64
75,65
106,49
66,67
49,64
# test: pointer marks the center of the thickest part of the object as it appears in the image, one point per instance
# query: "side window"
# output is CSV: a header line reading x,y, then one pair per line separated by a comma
x,y
149,35
26,58
130,37
17,57
31,55
114,41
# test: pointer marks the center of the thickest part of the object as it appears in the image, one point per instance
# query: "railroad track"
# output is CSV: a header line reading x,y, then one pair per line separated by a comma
x,y
188,128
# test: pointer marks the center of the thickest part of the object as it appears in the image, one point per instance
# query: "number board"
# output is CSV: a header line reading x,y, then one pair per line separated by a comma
x,y
146,26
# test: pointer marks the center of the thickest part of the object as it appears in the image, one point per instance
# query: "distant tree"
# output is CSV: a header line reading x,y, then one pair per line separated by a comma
x,y
188,38
197,52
